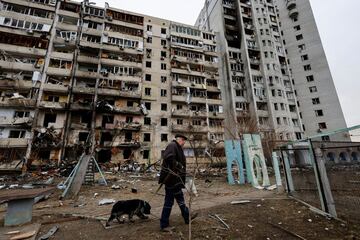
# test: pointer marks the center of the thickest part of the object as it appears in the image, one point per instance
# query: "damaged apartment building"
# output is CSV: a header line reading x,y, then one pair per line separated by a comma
x,y
80,78
274,69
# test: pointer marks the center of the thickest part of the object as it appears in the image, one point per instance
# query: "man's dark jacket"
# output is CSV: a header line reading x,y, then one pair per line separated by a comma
x,y
173,170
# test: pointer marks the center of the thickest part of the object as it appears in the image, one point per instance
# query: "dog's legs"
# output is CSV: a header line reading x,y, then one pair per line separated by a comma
x,y
112,217
131,217
118,218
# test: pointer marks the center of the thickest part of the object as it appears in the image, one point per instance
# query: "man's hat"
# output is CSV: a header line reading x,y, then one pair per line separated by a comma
x,y
181,136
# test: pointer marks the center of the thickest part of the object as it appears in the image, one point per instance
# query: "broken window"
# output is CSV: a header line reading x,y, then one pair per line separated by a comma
x,y
83,136
319,113
164,122
316,101
147,77
148,105
146,154
49,118
147,121
163,92
148,91
164,137
106,137
147,137
107,119
322,125
128,136
163,107
21,114
17,134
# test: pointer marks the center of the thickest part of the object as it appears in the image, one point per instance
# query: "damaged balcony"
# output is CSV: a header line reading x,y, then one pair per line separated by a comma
x,y
11,83
13,142
16,101
52,105
81,103
189,128
189,113
16,122
180,80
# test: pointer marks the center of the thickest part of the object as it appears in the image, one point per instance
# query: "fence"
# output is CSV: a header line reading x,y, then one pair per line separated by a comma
x,y
324,171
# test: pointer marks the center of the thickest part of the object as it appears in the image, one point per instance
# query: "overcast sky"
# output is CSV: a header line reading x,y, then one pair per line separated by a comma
x,y
337,22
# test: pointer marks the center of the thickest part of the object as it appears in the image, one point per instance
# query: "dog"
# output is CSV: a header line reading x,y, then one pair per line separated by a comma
x,y
130,207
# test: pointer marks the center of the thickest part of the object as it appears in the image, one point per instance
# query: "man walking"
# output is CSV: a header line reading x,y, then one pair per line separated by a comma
x,y
172,175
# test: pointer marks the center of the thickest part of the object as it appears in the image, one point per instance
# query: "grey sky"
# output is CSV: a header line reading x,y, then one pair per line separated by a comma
x,y
337,22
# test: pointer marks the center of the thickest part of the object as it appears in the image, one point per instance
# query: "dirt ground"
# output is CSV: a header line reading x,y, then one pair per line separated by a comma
x,y
269,215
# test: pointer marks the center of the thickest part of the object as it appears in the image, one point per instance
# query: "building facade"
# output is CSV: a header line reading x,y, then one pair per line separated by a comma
x,y
76,77
288,88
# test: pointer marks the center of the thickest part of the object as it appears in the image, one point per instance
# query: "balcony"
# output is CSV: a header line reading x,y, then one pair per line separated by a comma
x,y
18,84
84,90
58,71
186,83
119,93
17,121
179,98
133,126
216,115
76,106
187,60
293,13
55,88
291,4
13,142
18,102
123,143
86,74
186,72
23,50
17,66
188,113
52,105
128,110
189,128
214,101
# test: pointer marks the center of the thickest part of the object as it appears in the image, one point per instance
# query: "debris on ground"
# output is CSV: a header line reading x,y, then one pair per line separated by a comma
x,y
216,217
106,201
240,202
50,233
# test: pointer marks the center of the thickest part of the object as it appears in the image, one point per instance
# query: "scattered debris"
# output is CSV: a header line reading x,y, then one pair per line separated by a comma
x,y
216,217
50,233
270,188
115,187
95,195
250,226
287,231
309,220
134,190
106,201
12,232
240,202
24,235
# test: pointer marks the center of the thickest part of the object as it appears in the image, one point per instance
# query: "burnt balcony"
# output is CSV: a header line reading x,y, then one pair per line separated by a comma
x,y
132,126
216,115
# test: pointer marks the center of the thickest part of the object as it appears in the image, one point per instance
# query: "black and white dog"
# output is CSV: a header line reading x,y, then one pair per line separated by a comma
x,y
130,207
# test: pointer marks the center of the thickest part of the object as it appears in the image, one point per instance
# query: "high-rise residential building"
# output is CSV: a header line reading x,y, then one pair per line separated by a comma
x,y
80,78
75,77
273,66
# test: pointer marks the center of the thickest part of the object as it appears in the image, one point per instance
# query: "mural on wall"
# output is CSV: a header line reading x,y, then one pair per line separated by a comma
x,y
234,157
256,170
